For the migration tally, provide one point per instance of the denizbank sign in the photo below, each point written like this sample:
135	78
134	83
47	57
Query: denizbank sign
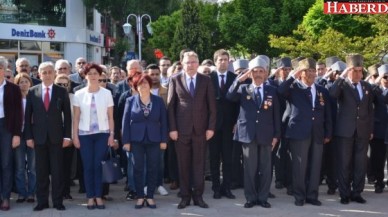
30	33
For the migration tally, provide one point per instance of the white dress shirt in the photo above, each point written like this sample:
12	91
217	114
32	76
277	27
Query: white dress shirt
44	91
2	99
188	80
220	78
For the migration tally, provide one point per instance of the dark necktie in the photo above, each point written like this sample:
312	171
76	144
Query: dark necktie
357	93
46	100
222	86
309	93
192	87
258	96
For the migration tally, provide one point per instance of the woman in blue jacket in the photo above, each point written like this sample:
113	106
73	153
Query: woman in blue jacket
145	133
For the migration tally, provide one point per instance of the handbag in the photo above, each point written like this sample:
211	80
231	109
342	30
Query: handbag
111	170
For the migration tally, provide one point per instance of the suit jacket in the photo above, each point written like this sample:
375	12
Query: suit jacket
227	110
254	123
137	127
381	112
52	125
351	116
306	121
187	113
13	108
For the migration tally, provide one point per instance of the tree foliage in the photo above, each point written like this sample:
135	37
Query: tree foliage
191	32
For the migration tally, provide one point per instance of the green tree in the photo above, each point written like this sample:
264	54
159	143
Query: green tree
164	30
190	32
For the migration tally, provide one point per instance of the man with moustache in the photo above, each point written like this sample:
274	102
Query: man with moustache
23	66
48	131
190	96
221	145
79	76
308	129
258	129
353	129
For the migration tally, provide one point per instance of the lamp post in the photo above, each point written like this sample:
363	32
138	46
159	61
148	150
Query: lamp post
139	27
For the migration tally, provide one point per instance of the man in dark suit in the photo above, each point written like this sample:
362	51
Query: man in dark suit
48	130
377	146
308	129
258	129
221	145
354	128
11	120
192	119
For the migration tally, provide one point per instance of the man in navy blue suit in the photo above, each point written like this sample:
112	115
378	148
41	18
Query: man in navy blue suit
308	129
258	129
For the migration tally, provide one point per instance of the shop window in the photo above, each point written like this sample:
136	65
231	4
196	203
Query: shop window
8	44
33	12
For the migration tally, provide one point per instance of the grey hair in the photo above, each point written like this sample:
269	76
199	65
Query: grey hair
22	59
60	61
45	65
3	62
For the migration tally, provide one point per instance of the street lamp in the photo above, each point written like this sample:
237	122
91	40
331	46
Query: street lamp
139	27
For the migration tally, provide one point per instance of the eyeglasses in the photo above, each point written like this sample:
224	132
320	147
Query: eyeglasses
385	77
103	80
63	84
81	63
64	68
8	77
24	66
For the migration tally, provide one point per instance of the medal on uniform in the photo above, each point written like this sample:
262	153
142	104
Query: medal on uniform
321	100
265	104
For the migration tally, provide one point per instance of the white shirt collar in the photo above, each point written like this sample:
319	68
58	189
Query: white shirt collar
44	86
188	77
3	84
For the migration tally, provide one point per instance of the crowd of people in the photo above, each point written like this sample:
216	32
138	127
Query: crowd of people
239	124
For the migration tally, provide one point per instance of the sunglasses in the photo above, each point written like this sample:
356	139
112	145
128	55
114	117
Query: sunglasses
103	80
62	68
8	77
79	63
385	77
63	84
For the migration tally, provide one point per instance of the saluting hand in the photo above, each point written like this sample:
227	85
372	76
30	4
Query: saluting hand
296	73
345	73
244	75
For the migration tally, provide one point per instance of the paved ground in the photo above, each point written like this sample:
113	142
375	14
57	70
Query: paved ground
282	205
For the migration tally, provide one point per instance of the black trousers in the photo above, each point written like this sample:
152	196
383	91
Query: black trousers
220	151
306	167
68	154
352	165
172	161
377	160
283	163
237	164
49	160
329	164
257	171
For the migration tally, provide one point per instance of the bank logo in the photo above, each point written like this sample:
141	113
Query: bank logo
33	34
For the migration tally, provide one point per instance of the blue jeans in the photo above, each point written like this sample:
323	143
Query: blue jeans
149	154
23	153
131	181
94	149
6	164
